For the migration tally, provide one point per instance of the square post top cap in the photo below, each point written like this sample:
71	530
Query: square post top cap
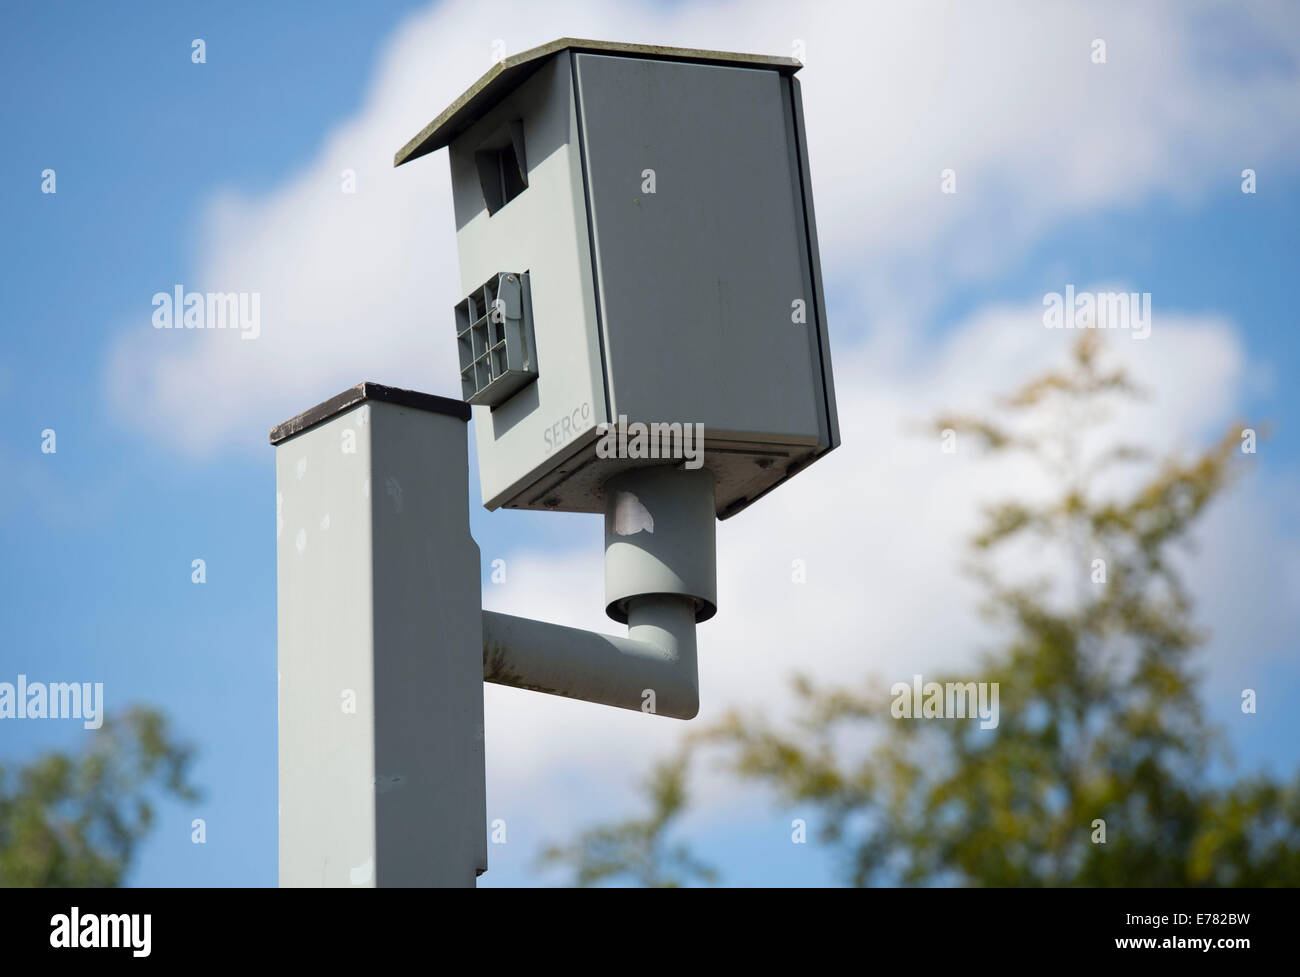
506	75
361	393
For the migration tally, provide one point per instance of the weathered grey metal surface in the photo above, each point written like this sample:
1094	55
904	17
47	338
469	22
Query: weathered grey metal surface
371	391
506	74
674	307
381	770
542	231
820	337
654	669
661	538
660	579
697	281
743	471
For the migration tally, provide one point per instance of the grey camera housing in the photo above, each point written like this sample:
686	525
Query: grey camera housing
659	202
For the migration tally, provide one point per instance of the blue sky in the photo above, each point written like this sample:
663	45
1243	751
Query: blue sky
226	172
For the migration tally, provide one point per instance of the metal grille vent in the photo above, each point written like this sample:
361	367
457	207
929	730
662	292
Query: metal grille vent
494	336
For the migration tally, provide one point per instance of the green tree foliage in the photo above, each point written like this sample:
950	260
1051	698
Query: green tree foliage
75	819
1100	719
638	849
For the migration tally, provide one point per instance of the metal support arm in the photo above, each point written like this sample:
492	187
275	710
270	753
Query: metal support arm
653	669
659	578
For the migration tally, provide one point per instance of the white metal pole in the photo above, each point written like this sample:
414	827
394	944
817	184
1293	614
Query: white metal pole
380	645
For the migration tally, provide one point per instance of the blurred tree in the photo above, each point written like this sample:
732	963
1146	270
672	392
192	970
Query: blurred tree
75	820
1099	719
638	848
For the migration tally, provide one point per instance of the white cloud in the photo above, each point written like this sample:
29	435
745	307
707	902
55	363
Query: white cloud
360	286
